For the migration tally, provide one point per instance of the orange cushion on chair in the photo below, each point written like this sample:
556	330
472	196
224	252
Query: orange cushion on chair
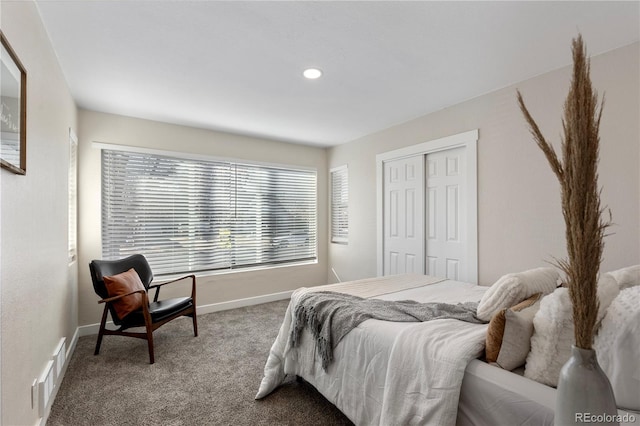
124	283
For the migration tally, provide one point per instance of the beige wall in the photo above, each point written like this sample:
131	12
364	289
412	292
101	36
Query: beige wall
520	223
38	286
221	287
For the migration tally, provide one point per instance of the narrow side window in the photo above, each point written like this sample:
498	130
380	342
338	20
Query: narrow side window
73	196
340	205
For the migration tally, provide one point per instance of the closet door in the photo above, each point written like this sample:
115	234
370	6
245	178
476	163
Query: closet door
404	189
427	205
446	213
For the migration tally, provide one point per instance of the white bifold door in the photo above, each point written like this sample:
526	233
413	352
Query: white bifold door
424	203
404	216
445	214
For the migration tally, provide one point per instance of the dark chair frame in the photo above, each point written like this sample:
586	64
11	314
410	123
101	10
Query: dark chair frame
139	263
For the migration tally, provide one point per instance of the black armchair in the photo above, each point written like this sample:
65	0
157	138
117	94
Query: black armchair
150	315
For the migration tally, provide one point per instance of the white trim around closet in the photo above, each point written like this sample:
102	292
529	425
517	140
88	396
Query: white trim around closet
469	140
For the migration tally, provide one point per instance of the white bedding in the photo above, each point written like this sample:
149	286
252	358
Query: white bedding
497	397
389	373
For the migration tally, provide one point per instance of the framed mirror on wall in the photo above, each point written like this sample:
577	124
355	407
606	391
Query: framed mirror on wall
13	111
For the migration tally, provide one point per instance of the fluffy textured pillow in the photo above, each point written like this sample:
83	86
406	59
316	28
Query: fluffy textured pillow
514	288
608	290
124	283
618	347
627	277
553	331
509	334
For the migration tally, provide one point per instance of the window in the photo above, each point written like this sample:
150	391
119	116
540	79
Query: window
340	205
189	215
73	195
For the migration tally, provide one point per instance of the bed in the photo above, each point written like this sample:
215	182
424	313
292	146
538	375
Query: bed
388	373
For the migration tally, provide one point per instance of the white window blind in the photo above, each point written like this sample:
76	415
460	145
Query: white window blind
189	215
340	205
73	196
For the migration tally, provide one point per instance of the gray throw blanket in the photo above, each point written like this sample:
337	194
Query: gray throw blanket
329	316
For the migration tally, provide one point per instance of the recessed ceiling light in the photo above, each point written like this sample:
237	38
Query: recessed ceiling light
312	73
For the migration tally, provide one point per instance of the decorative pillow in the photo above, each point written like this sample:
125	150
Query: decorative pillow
608	290
509	334
514	288
553	332
124	283
627	277
617	345
552	338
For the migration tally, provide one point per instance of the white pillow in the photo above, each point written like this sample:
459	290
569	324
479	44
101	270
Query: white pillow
627	277
512	289
608	290
617	345
552	338
553	331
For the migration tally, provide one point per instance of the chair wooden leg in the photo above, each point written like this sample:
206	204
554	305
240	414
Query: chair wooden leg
101	331
195	324
149	328
150	344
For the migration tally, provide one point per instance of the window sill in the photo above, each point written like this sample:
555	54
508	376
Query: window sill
204	274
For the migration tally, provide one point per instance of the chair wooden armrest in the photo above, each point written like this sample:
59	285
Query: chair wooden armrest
193	287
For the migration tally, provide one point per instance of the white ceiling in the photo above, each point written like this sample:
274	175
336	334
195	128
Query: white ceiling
237	66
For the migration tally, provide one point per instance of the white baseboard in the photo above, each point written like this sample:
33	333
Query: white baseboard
91	329
240	303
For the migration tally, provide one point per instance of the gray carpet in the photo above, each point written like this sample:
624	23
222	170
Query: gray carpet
206	380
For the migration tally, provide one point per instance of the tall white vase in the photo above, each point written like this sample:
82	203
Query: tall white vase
584	392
